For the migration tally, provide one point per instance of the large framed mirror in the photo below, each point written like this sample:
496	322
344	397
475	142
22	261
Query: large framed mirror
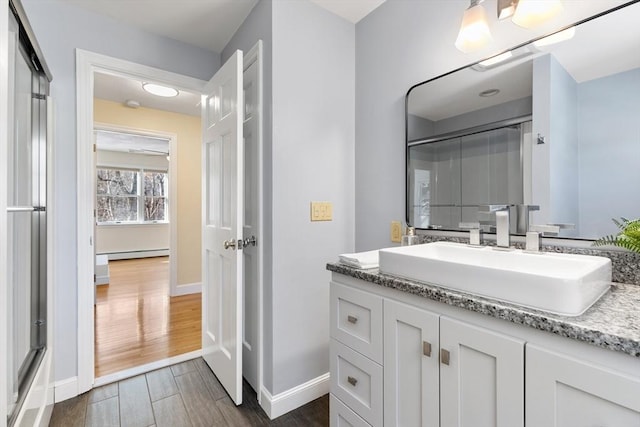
550	128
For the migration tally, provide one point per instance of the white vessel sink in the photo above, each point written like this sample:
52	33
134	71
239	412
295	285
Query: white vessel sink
564	284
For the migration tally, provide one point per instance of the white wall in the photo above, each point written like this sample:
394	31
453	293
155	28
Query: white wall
399	44
60	29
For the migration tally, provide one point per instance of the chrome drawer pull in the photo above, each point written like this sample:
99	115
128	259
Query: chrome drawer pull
444	356
352	381
352	319
426	348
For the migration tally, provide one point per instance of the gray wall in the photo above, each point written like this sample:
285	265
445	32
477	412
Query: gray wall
309	155
563	145
399	44
312	159
609	133
60	29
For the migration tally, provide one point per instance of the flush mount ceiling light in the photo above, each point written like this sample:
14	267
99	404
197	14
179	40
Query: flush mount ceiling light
530	13
474	31
159	90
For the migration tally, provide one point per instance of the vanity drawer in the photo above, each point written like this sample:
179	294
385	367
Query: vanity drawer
356	320
357	381
341	416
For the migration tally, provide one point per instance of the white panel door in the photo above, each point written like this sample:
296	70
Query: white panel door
222	221
565	392
411	379
481	377
250	227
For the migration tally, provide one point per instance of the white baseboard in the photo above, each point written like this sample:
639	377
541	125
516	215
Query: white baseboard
186	289
137	254
295	397
66	389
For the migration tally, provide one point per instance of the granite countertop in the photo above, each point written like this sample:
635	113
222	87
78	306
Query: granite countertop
613	322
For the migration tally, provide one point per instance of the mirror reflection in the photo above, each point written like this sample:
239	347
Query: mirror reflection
551	128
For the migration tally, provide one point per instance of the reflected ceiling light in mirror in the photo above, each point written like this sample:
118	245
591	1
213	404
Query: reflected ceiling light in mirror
556	38
530	13
474	31
496	59
159	90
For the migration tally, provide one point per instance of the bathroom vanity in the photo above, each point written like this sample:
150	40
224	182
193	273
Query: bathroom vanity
405	353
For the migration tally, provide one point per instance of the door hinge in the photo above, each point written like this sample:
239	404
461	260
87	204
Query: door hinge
40	96
94	148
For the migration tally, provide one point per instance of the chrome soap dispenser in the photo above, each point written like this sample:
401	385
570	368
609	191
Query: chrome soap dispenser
410	237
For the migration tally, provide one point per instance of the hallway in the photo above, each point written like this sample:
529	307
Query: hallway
136	322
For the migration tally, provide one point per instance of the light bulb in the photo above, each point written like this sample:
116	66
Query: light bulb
474	30
530	13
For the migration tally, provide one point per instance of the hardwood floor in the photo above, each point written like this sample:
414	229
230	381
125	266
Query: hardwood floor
136	322
186	394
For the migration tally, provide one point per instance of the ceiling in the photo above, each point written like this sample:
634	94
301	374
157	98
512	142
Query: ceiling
121	89
209	24
131	143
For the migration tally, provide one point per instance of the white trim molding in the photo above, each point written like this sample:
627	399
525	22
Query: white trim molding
66	389
138	370
295	397
86	64
186	289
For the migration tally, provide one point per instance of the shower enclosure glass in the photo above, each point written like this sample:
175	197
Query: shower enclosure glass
451	177
26	214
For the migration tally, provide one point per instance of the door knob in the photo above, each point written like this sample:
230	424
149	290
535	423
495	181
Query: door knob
230	244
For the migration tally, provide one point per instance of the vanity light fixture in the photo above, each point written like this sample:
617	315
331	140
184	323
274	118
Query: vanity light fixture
556	38
474	31
159	90
531	13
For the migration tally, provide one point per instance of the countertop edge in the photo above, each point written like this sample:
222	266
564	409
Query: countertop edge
558	325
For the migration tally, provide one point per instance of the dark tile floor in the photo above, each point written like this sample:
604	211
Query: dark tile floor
186	394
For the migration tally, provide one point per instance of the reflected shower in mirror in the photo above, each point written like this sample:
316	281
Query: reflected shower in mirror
552	123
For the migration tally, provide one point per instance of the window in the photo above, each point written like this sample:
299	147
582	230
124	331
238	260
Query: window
131	195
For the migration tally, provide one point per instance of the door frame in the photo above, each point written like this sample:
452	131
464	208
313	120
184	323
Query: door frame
86	64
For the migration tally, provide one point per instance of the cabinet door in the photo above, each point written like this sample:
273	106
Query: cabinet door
566	392
411	380
481	377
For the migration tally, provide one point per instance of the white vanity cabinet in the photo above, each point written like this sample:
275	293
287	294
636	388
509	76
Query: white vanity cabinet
562	391
399	359
440	371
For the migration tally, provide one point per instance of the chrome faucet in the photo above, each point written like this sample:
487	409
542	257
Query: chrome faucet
503	225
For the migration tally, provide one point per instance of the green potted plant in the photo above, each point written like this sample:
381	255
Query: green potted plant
627	238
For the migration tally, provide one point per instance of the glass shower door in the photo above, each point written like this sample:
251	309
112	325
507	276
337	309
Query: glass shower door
26	221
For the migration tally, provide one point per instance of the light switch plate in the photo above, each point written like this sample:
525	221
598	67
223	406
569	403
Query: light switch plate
321	211
396	231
